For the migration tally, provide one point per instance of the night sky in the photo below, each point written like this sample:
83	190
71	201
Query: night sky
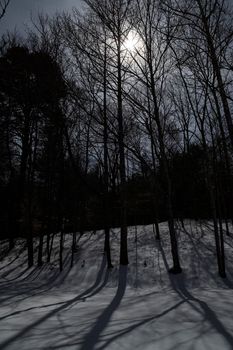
19	11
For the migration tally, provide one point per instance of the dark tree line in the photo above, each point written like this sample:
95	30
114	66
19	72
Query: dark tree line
120	115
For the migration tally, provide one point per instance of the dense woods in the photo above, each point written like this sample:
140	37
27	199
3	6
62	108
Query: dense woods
117	115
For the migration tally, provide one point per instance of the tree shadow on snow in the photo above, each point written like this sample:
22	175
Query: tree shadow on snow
206	259
95	335
91	339
178	284
93	290
24	286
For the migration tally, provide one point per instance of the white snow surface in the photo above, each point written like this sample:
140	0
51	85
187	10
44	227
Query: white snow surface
141	306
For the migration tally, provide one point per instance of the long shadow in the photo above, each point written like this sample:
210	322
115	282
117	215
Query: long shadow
33	275
226	281
7	273
51	283
29	309
90	291
200	257
9	263
139	324
27	289
49	286
7	253
210	227
179	286
121	332
91	339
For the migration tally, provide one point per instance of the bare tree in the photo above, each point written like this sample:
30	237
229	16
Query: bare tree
196	77
3	6
114	15
150	70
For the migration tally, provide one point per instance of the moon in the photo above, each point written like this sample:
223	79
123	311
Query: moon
131	42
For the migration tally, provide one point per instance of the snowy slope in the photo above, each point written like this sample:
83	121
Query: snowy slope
139	307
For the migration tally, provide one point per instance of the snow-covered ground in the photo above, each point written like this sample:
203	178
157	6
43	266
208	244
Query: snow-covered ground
138	307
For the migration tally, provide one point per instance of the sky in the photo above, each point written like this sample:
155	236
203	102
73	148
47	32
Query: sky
19	11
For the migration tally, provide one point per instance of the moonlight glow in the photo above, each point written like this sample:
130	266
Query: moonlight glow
131	41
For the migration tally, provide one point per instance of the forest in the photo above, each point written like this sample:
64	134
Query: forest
118	114
116	177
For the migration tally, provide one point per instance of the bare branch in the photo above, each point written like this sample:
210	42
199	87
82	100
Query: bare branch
3	6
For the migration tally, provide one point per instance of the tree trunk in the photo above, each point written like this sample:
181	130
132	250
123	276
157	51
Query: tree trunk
124	232
40	250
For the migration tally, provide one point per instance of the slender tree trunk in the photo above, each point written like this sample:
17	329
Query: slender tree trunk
61	249
217	70
164	162
73	249
40	250
123	246
213	202
107	247
154	189
218	243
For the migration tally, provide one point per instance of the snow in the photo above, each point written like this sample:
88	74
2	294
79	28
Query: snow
136	307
